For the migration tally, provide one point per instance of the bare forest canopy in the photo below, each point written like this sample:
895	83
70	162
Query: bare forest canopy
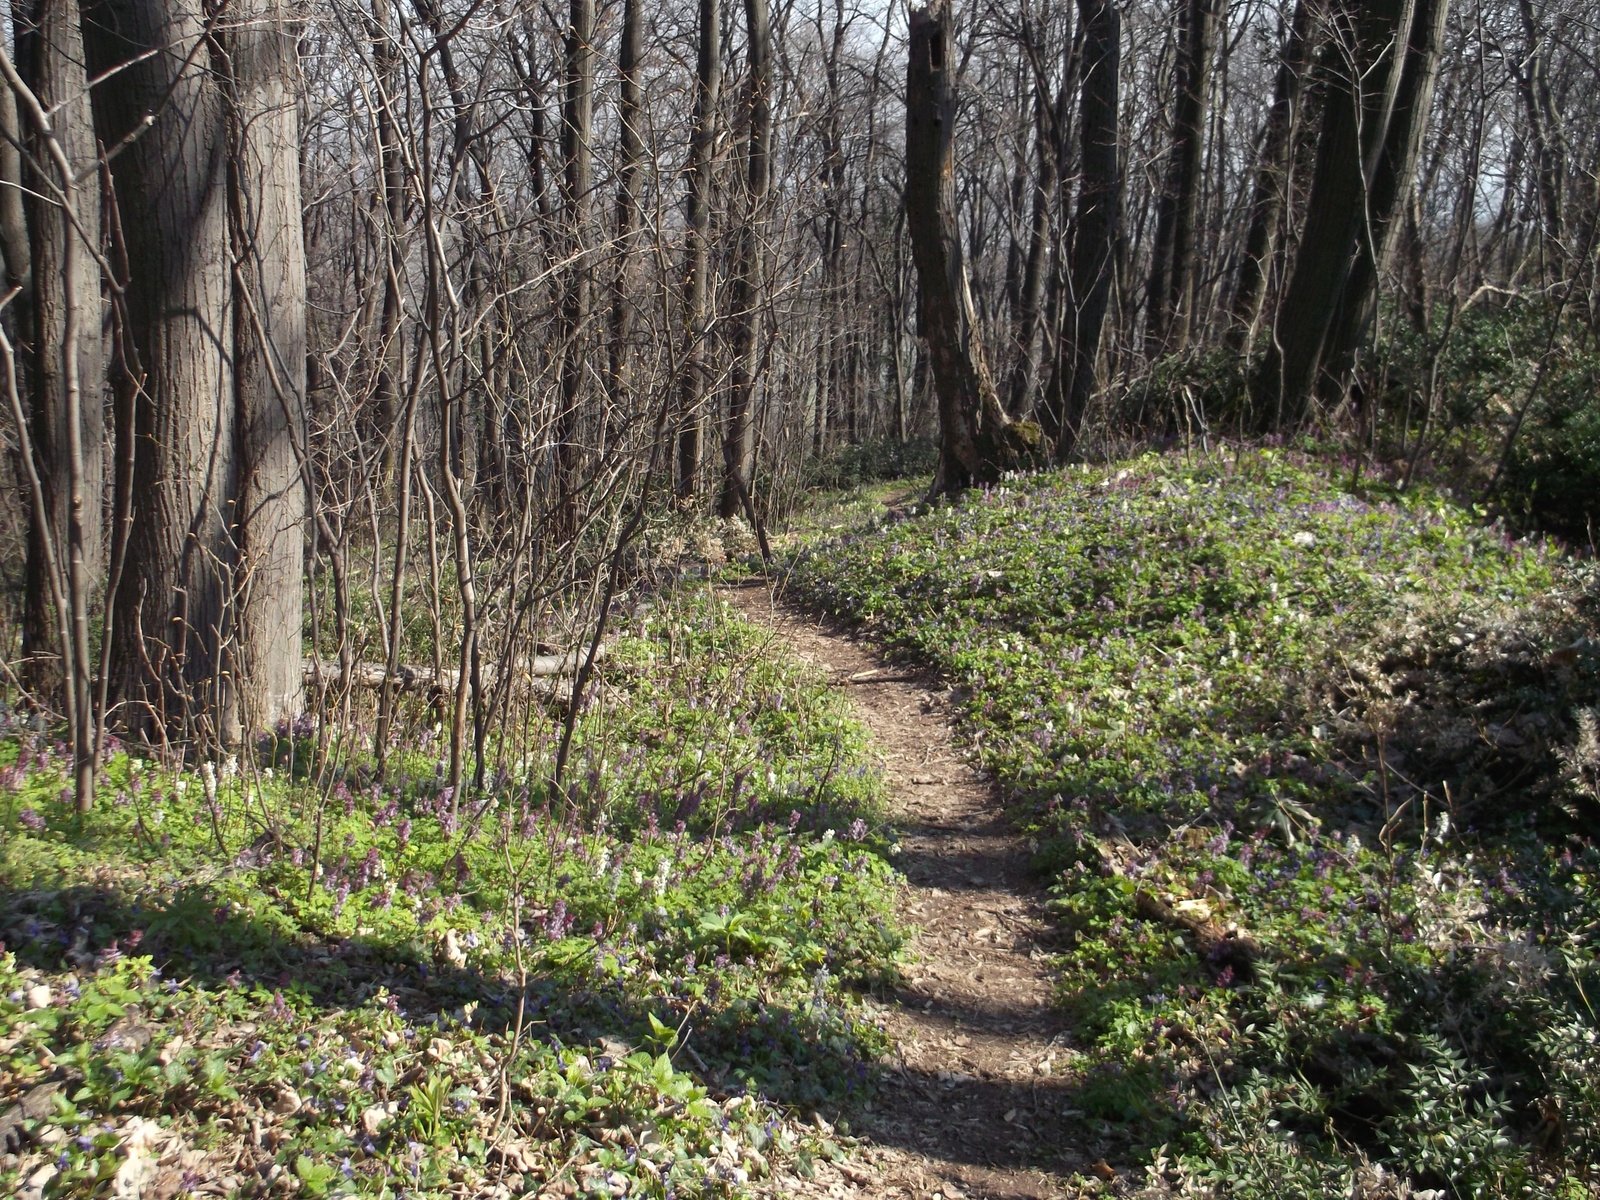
351	340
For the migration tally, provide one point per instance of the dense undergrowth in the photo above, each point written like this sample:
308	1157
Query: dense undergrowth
277	973
872	462
1311	774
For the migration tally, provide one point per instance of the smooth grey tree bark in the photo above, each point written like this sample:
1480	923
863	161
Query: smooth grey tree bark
630	153
13	219
1388	196
392	183
1048	121
577	121
1544	130
269	323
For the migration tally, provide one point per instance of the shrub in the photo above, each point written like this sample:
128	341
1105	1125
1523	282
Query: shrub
1484	376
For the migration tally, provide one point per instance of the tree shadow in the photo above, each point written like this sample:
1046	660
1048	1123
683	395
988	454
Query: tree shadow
1059	1124
800	1053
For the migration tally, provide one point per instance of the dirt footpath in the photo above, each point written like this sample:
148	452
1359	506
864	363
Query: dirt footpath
979	1104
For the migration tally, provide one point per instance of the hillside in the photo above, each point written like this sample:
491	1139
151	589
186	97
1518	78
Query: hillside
1309	774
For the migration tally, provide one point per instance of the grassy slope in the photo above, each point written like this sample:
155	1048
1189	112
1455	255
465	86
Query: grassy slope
1229	697
626	986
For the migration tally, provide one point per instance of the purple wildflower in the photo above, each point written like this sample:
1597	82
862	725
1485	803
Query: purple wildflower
555	927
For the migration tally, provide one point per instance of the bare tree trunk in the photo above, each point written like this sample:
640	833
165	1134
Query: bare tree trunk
897	307
59	313
747	284
50	62
397	583
1414	293
819	385
1391	187
977	441
17	322
1544	128
1271	180
13	218
577	122
1095	227
1047	139
1170	288
630	150
269	291
1363	64
391	357
696	305
830	377
171	186
386	383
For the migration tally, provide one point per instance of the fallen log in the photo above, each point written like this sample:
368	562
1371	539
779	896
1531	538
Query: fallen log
888	675
540	667
1220	949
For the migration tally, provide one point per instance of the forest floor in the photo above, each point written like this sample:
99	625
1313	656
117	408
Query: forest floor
973	1101
1165	827
1283	870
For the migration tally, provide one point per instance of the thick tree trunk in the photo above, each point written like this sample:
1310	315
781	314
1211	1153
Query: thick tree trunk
50	62
1363	64
697	256
977	442
1095	228
171	185
747	283
1391	188
269	316
1170	288
1271	180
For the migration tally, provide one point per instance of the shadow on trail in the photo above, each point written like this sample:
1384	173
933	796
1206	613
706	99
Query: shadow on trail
1054	1123
968	870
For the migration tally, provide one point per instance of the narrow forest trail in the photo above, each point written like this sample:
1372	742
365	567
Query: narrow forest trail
977	1104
